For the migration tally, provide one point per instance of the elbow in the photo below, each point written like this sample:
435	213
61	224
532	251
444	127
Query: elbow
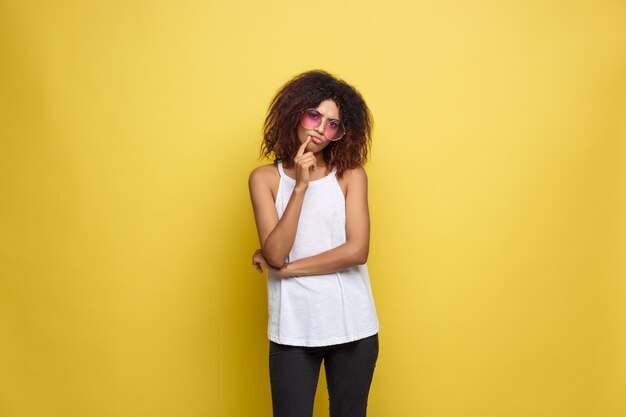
274	260
275	264
360	255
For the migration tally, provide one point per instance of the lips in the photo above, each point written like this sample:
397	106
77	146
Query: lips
316	140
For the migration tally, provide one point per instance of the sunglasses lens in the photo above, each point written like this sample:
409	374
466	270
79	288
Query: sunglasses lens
334	130
311	119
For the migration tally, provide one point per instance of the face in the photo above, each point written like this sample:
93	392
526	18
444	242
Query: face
329	110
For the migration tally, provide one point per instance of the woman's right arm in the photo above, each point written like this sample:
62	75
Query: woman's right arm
277	236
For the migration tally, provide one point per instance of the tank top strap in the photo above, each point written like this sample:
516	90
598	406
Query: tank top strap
280	169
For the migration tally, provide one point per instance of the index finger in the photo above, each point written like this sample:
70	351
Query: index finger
303	146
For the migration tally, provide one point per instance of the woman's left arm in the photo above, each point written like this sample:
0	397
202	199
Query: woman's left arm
355	250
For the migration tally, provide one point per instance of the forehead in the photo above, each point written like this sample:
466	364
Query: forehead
329	109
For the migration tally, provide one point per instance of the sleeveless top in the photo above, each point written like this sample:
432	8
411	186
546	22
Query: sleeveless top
319	310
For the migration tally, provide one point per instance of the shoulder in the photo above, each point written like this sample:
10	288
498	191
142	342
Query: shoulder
355	176
353	179
264	174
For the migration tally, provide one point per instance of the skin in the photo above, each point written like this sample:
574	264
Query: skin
278	235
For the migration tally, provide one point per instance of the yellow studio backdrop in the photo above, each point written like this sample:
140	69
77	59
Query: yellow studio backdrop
497	191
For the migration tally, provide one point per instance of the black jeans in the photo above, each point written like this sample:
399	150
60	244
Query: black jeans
349	367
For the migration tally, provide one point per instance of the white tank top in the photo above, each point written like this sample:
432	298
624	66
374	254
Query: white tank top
319	310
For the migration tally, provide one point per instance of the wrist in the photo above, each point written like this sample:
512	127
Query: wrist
287	270
300	188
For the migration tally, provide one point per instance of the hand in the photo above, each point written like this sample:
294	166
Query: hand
258	260
304	163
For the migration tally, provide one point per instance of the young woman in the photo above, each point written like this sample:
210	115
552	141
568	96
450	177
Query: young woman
312	218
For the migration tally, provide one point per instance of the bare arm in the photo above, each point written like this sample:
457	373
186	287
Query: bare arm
277	236
354	251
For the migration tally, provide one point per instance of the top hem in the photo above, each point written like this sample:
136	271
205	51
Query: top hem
323	342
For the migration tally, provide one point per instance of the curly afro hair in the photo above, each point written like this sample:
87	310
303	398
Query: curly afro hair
309	89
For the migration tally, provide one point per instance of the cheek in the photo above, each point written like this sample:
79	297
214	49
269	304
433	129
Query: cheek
302	134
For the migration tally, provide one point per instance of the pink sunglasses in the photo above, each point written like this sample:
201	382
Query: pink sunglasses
333	128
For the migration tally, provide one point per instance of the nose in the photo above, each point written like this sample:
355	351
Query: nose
321	127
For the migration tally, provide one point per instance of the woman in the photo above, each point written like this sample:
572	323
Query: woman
312	218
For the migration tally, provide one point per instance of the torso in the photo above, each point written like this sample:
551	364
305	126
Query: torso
319	309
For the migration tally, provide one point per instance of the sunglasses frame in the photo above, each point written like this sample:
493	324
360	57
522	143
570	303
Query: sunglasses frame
325	125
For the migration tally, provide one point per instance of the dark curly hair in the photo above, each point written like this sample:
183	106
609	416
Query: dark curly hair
309	89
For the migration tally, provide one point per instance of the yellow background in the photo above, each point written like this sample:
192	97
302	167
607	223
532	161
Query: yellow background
497	191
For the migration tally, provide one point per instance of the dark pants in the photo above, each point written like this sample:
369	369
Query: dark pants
349	367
